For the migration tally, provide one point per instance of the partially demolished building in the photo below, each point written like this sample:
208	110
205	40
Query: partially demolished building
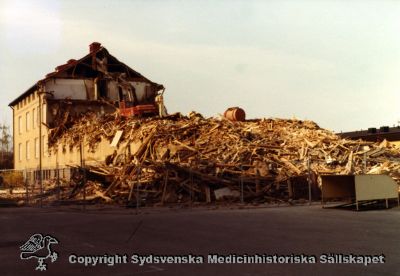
97	83
82	114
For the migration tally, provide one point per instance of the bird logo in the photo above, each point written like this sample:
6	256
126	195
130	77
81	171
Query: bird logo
39	247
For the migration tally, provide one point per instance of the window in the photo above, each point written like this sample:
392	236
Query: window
28	120
37	121
19	152
19	124
34	114
37	150
28	156
44	113
37	116
45	146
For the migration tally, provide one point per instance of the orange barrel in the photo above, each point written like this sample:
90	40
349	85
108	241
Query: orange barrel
235	114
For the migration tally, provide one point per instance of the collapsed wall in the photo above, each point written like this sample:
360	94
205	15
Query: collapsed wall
178	158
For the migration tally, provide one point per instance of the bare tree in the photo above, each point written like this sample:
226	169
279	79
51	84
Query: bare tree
6	153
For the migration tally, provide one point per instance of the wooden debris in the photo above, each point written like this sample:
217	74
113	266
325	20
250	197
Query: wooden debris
181	158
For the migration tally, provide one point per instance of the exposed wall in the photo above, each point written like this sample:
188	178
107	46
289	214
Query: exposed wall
142	91
74	108
85	89
68	88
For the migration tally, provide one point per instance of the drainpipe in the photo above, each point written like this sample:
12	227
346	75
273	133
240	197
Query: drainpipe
14	151
41	148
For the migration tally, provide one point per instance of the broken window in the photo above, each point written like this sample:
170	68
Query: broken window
120	94
102	88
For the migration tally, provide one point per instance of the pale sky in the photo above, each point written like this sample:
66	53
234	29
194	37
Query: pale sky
334	62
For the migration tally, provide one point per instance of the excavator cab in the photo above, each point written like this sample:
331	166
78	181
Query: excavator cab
141	110
139	103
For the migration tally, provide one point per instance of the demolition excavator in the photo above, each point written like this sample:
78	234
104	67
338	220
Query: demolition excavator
148	105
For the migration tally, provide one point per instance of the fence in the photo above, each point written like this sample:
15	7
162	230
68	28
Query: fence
52	185
35	187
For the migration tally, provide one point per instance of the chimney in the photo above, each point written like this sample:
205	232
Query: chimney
94	47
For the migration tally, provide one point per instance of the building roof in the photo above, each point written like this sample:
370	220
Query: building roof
23	95
74	67
374	134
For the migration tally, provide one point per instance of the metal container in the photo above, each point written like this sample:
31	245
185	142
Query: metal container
235	114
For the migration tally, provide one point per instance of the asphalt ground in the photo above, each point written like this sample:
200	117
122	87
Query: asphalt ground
281	231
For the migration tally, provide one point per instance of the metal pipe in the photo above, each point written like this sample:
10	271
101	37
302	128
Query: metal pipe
41	148
14	150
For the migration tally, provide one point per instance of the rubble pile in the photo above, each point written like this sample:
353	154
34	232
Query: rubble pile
190	158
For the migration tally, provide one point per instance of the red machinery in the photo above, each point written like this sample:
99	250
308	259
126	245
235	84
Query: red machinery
138	110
